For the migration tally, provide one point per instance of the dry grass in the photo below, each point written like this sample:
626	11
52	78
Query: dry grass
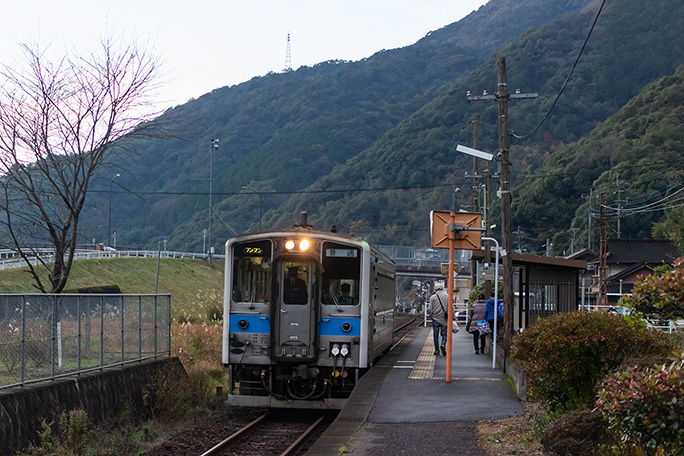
512	436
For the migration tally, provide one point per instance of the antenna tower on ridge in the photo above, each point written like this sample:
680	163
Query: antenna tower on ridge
288	56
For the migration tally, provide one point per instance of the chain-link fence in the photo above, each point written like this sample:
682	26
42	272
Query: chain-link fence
44	336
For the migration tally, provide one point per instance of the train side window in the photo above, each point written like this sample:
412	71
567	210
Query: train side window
251	279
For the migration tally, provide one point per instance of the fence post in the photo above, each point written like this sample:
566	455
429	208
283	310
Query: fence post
23	339
80	336
53	329
139	327
101	332
123	329
168	307
156	327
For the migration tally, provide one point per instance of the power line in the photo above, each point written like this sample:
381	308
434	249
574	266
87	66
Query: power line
295	192
565	83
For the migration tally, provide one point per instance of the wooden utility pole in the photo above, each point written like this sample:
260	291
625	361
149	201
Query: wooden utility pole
603	256
506	231
502	97
475	206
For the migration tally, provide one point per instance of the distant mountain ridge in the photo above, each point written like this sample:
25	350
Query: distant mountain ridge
386	125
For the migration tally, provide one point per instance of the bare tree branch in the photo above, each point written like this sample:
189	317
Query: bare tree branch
58	121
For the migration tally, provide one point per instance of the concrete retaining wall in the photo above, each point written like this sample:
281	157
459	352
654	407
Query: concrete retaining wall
100	393
514	372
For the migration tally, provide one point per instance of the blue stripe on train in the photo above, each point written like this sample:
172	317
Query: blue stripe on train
333	326
256	324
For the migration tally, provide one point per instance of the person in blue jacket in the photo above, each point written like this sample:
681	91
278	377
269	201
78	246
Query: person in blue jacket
489	312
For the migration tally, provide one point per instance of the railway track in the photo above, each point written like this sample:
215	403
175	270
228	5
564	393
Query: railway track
277	432
404	324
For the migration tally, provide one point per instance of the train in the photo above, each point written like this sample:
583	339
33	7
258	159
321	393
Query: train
306	314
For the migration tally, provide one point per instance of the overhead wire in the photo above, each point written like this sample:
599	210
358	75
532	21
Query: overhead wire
565	83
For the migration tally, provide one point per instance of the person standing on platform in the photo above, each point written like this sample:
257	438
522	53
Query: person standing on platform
437	309
489	312
477	313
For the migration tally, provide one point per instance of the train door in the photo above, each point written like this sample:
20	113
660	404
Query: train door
294	326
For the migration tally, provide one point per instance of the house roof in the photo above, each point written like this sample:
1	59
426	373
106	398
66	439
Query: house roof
636	269
650	251
584	254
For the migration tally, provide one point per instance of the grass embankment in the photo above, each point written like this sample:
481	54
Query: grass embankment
184	280
196	291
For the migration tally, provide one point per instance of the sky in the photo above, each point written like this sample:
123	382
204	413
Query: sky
205	45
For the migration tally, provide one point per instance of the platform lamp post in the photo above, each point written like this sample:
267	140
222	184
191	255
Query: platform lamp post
258	194
214	145
109	217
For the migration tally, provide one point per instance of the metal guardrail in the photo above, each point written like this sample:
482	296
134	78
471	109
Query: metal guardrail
45	336
9	261
410	256
669	326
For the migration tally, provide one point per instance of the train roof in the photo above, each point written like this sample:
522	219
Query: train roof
295	232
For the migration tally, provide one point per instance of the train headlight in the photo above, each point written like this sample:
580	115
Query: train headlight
303	245
346	326
335	350
243	324
345	350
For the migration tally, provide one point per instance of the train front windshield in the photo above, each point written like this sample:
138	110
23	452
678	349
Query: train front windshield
252	269
342	267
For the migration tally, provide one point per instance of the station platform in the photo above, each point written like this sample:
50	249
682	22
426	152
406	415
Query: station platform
404	405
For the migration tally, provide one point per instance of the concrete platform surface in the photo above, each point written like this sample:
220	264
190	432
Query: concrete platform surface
405	406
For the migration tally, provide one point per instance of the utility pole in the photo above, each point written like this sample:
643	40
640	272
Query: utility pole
572	243
603	267
591	199
502	97
214	143
475	205
620	185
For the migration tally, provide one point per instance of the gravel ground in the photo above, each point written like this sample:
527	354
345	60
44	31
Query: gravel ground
206	433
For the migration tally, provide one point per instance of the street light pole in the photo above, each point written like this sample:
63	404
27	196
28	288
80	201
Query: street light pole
259	195
109	217
214	145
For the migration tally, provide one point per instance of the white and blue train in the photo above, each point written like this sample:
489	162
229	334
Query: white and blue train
306	313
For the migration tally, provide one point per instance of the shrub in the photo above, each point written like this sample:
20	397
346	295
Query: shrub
566	355
72	438
74	430
645	406
480	288
660	295
171	397
575	433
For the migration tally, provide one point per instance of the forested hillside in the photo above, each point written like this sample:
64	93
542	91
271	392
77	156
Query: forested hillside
369	145
635	158
282	132
415	165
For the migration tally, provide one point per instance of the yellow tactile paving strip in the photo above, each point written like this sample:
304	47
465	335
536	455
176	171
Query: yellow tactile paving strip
425	364
424	368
